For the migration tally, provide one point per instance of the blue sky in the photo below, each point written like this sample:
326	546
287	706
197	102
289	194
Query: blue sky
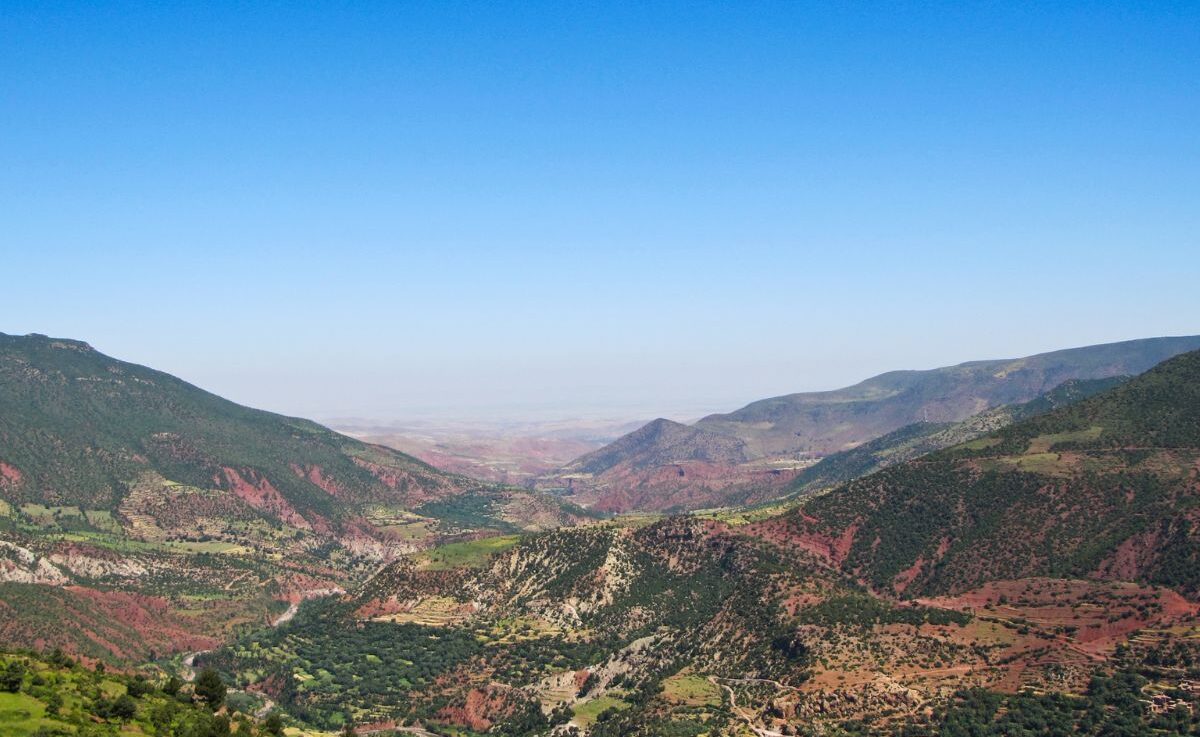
397	209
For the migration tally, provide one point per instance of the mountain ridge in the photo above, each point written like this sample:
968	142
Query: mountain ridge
783	434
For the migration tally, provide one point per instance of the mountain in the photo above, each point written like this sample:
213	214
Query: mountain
659	443
116	479
77	428
661	466
1105	488
920	438
1038	578
778	437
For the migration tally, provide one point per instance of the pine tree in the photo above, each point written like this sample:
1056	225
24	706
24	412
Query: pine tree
210	688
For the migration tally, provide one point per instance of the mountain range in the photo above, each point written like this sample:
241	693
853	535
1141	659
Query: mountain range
1029	569
749	454
920	438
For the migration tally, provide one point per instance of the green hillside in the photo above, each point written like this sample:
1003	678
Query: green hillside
632	605
77	427
1104	487
53	696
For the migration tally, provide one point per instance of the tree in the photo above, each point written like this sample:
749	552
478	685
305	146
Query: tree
123	708
12	676
172	686
138	687
60	659
273	725
210	688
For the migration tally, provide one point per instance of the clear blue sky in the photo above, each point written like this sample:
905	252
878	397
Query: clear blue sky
398	208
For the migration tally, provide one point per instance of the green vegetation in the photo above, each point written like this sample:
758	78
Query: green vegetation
1054	496
472	553
589	712
51	696
1113	706
326	665
692	689
696	596
210	689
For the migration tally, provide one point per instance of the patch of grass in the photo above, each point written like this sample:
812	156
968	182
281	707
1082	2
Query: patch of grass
470	554
22	715
981	443
102	520
1043	443
692	690
587	712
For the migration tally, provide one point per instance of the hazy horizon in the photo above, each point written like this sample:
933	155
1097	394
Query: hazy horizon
535	211
496	415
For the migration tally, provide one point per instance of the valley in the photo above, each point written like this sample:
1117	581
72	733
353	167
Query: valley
513	453
634	369
1033	561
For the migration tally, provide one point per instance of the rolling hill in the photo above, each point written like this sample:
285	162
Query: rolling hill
778	437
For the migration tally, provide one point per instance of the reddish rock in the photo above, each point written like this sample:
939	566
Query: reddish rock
482	707
9	475
258	492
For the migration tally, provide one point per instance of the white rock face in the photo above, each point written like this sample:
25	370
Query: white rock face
88	566
22	565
